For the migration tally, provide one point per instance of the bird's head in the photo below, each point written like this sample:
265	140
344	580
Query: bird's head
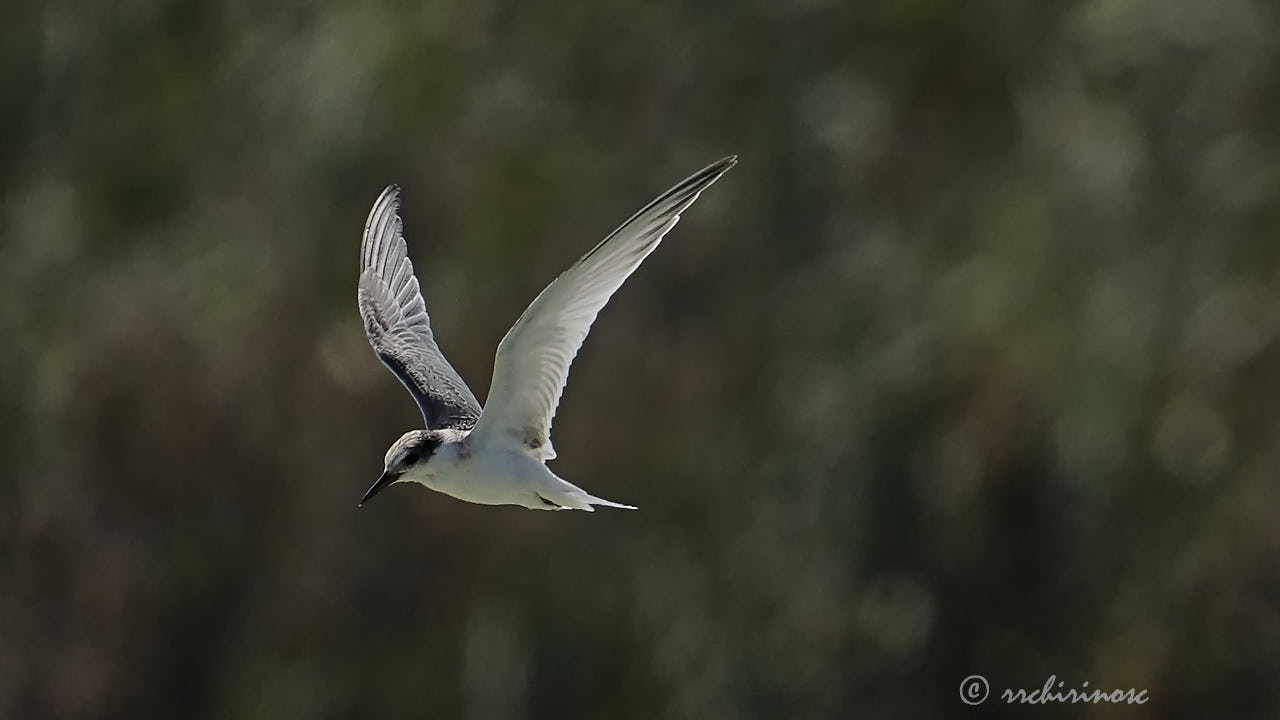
408	459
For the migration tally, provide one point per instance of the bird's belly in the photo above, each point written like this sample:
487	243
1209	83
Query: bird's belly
503	479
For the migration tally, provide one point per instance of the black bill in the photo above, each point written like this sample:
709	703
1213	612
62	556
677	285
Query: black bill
378	486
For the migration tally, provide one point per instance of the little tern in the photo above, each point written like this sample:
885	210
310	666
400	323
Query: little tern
498	455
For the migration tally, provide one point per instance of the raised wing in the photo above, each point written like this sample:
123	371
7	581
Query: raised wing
532	363
395	319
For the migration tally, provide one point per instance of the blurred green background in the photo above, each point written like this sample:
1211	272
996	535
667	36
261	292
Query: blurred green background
970	366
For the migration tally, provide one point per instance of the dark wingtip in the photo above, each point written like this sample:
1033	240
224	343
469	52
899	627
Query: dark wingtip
390	193
716	169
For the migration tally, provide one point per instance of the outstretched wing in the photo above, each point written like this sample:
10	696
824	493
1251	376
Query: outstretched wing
532	363
396	321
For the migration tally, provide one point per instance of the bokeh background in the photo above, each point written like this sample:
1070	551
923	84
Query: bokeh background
970	366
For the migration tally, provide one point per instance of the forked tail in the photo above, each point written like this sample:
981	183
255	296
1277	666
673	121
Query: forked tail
606	503
563	495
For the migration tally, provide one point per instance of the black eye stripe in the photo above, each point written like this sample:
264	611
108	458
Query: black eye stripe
411	458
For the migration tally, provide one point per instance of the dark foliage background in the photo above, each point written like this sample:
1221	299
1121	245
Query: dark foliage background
970	366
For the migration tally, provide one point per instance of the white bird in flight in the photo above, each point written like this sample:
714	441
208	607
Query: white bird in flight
498	456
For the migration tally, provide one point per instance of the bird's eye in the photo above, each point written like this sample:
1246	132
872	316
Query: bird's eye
411	458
